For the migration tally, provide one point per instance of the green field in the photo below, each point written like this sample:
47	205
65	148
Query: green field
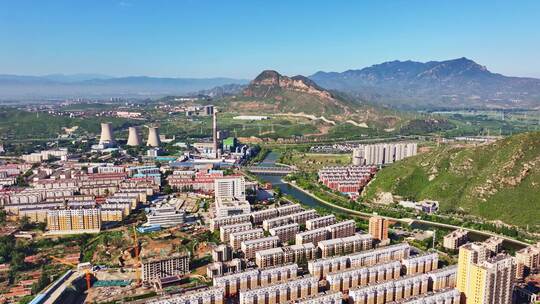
500	181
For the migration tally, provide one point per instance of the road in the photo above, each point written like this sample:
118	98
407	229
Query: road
409	221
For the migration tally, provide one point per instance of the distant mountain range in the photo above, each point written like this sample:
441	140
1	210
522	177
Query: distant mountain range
94	85
440	84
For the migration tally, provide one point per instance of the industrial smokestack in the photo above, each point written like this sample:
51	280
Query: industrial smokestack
153	137
106	134
214	133
134	138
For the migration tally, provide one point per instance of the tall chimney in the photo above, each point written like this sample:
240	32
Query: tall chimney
214	133
134	137
106	133
153	137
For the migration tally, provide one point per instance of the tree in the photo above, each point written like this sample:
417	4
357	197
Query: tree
24	223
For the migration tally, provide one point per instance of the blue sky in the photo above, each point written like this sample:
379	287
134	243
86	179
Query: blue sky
198	38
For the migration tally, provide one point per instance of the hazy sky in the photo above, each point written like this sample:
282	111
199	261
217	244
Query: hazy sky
230	38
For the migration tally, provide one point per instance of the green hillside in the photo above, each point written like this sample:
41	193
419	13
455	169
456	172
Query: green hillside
500	181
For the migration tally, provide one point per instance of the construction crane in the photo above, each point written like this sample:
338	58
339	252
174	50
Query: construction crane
137	256
87	272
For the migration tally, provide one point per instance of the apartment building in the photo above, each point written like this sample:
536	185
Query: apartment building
257	217
299	218
320	222
230	186
346	179
420	263
381	154
321	267
455	239
283	255
378	228
153	268
312	236
527	260
76	220
250	279
217	222
225	231
222	253
216	269
341	229
347	245
270	276
494	245
396	290
212	295
484	280
443	278
338	230
236	238
448	296
285	233
281	293
250	247
289	209
329	297
352	278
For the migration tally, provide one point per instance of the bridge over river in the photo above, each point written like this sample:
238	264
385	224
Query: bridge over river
270	170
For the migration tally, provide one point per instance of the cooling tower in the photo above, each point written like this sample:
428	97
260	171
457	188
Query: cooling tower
106	134
134	138
153	137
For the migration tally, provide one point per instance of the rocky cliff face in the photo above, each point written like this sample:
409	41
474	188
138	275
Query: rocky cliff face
264	85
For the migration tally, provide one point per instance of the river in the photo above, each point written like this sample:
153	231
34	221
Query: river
307	200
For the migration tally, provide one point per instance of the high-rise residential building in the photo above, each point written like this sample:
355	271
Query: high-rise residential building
378	228
455	239
380	154
484	280
76	220
162	267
